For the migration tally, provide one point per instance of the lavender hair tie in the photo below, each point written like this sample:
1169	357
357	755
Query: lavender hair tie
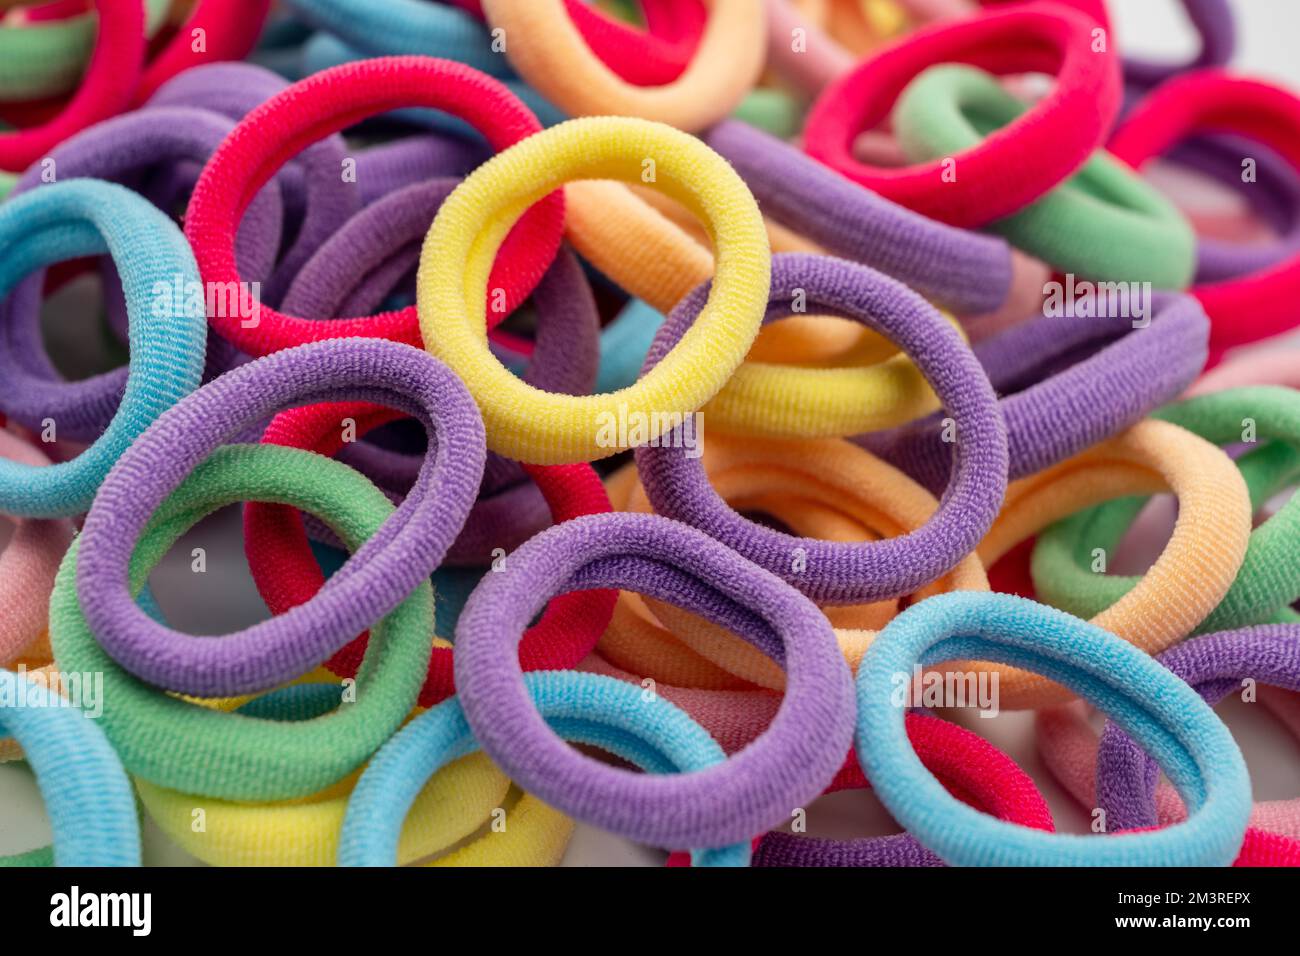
1213	21
1214	665
387	167
787	766
361	263
965	271
1068	382
120	150
832	572
1274	196
378	576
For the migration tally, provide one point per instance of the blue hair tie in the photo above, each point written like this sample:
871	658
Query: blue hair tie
87	795
167	332
613	715
1168	719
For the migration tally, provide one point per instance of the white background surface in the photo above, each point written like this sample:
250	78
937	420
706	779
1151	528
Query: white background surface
224	599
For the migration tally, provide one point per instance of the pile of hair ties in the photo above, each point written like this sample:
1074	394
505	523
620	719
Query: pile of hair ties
885	322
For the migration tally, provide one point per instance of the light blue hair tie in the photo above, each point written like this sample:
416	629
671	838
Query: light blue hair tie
167	325
87	795
624	343
615	716
1167	718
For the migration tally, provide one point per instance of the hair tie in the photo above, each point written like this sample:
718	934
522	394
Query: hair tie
1067	383
105	89
380	574
1214	24
287	574
410	27
788	764
967	765
66	220
1021	161
961	270
585	708
305	831
1268	581
829	490
836	573
1166	716
87	796
539	427
325	103
182	745
28	564
1103	222
42	58
1214	665
1253	306
1278	367
560	65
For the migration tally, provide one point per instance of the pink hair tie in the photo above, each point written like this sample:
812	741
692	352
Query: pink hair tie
1275	367
106	89
28	565
1261	304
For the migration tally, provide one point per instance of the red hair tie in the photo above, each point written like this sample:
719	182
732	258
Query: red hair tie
1015	165
286	572
325	103
1263	303
230	31
105	90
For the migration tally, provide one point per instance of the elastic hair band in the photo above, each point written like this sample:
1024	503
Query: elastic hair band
87	796
1279	366
538	427
1215	666
790	763
555	59
1268	581
1016	165
837	573
585	708
966	764
961	270
28	564
105	89
67	220
1068	382
380	574
410	27
325	103
305	832
43	58
1167	717
1103	222
229	28
1248	307
183	745
287	573
1196	568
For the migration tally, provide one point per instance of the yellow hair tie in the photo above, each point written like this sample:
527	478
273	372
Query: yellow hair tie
539	427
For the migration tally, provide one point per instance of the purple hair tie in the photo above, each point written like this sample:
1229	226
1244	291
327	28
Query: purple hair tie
1213	21
1214	665
832	572
966	271
784	768
1068	383
378	576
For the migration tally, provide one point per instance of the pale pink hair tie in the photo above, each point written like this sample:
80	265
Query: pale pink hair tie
28	564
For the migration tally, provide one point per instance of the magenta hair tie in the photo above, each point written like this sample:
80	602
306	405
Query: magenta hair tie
839	572
785	767
962	270
1068	383
402	554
